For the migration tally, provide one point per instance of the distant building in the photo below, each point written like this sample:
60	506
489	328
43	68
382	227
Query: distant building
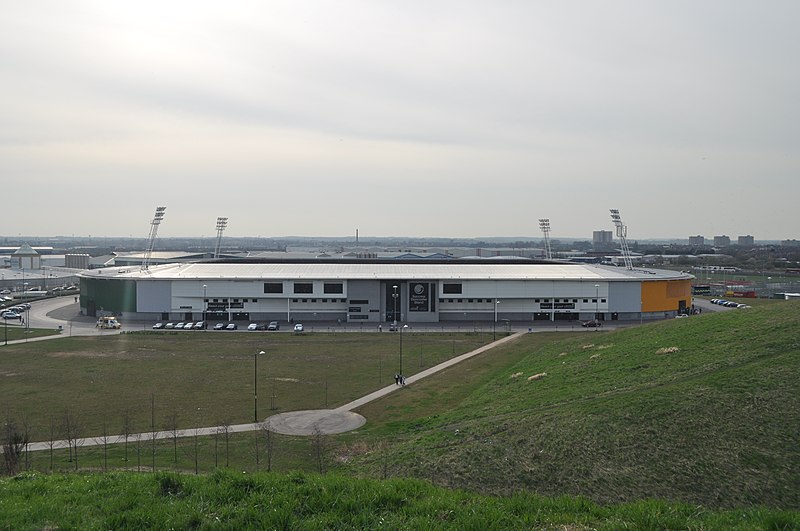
790	243
722	241
77	261
697	240
747	241
26	258
602	239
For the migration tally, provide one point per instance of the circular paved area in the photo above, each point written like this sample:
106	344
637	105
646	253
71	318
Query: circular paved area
327	421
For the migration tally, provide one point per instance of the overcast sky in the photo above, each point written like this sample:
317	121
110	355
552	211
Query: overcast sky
412	118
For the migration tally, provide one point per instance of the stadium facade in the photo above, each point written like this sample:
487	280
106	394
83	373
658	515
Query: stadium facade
385	291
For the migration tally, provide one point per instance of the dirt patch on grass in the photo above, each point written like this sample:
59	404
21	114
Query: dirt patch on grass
94	354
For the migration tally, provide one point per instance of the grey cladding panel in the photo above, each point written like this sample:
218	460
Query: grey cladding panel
625	296
154	296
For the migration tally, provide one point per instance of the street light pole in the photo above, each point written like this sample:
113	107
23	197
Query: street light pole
494	327
205	307
401	348
255	384
394	311
596	305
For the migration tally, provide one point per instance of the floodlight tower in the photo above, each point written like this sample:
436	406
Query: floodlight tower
221	224
622	233
544	224
151	238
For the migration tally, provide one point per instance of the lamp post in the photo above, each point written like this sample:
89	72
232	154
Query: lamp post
205	307
494	327
401	348
394	311
27	312
596	305
255	384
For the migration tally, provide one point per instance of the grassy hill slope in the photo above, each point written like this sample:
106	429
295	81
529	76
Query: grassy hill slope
701	410
231	500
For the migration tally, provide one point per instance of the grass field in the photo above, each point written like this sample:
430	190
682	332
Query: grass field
702	410
305	501
204	379
14	332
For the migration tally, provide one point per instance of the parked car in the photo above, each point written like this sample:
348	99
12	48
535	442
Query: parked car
298	327
219	326
594	323
199	325
169	325
158	326
5	292
393	327
255	326
274	325
189	325
12	315
180	325
232	326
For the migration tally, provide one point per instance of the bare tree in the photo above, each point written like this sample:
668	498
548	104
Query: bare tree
14	443
216	448
51	443
153	428
269	442
193	451
318	442
137	437
127	429
26	430
171	427
104	437
69	429
225	429
196	441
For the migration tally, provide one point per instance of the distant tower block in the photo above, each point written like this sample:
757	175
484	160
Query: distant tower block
222	223
544	225
622	234
151	238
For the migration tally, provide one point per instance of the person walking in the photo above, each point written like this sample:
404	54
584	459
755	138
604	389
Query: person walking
396	379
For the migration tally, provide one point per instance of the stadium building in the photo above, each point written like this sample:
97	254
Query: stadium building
373	291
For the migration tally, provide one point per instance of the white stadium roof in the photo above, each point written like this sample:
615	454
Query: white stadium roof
386	271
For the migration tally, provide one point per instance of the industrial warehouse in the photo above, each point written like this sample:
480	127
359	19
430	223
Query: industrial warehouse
375	291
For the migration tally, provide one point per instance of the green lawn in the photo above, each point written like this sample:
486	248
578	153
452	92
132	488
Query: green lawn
230	500
204	378
703	410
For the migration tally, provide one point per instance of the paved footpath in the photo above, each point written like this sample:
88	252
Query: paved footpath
324	421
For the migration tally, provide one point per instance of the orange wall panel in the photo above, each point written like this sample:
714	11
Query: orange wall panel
664	295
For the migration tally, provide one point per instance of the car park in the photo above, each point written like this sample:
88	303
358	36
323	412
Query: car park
232	326
274	325
298	327
158	326
169	325
200	325
219	326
